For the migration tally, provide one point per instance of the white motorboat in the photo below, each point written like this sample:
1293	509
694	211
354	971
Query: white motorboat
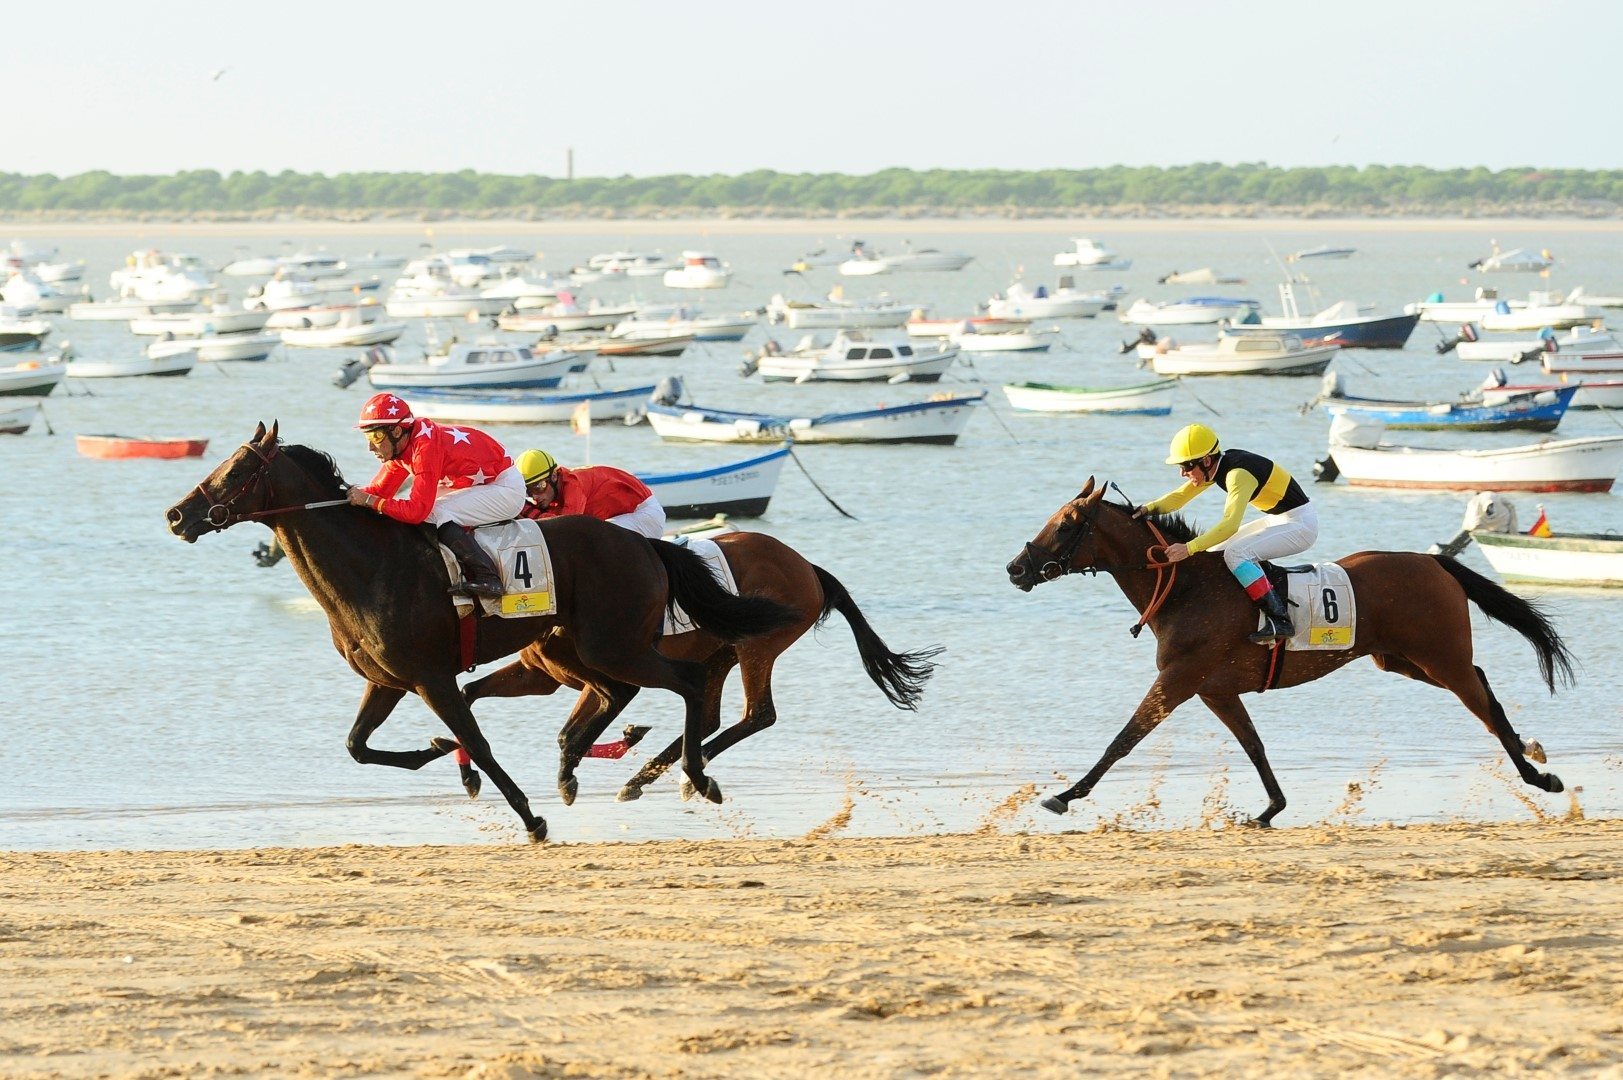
1193	311
375	260
528	407
737	489
251	266
1065	302
632	264
938	420
1344	322
213	347
496	253
125	310
1516	260
1323	251
16	419
463	269
1590	464
1539	555
445	303
1579	296
699	270
863	263
852	357
1579	341
59	273
32	378
1029	339
308	318
838	313
312	265
1088	254
1543	309
684	321
20	332
217	320
927	260
479	366
1435	308
1139	399
817	259
1249	354
919	326
284	292
1204	276
523	291
566	316
25	290
159	275
354	326
179	362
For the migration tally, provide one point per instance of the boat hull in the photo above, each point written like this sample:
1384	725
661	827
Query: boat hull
37	381
1145	399
800	370
1540	411
527	409
16	419
1593	561
1386	332
129	446
175	364
1579	465
742	489
544	372
937	422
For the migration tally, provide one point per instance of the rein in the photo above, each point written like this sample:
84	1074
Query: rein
221	514
1050	565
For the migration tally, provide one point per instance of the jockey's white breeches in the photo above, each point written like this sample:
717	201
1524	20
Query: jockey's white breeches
648	519
482	504
1272	536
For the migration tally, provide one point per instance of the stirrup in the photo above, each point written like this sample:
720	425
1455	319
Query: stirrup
1277	630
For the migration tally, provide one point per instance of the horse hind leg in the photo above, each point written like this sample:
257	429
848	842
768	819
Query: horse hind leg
1476	695
716	671
377	702
446	701
595	710
1232	712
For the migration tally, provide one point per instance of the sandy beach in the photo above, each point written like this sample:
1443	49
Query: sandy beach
1417	951
809	227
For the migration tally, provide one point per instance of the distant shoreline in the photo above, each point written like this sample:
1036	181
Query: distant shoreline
790	226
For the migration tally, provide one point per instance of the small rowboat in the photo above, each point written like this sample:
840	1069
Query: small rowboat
741	489
1141	399
175	363
1594	559
134	446
16	419
1590	464
1540	410
937	420
525	408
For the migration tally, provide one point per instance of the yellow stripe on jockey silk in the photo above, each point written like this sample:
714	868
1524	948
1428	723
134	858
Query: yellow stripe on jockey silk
1269	494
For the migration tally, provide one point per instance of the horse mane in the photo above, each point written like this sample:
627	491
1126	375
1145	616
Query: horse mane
1172	524
319	466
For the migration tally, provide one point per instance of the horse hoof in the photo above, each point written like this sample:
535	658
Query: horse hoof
538	832
629	794
712	790
471	783
1258	823
688	790
633	734
1552	783
1055	805
1532	751
568	789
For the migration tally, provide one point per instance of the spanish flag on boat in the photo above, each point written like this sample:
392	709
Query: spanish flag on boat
1541	527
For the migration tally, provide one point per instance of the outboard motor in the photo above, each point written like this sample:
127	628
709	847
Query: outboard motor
350	370
1486	511
750	364
1146	336
1467	333
668	391
1545	345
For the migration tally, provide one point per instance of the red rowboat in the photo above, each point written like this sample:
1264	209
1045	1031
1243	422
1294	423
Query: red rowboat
133	446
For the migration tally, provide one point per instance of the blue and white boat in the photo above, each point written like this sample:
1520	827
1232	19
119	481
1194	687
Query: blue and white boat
481	366
525	408
1342	323
936	420
741	489
1540	410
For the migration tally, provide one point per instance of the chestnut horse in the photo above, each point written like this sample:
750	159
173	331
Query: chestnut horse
762	566
1413	619
384	588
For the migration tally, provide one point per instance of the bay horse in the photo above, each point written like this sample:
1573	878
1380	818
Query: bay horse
1413	620
763	566
384	588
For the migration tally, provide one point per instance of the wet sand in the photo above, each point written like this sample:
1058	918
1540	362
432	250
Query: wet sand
1415	951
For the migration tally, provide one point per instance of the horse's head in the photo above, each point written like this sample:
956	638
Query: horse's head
240	486
1057	549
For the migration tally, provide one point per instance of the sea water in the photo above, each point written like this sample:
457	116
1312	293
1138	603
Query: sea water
166	695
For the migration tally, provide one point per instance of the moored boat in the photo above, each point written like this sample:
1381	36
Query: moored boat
1540	410
738	489
139	446
1248	354
479	365
937	420
851	357
527	408
32	378
1588	465
1140	399
1193	311
1540	555
16	419
169	363
1029	339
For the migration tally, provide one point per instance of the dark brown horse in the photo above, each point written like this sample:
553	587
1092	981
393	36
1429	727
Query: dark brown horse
384	588
762	566
1413	619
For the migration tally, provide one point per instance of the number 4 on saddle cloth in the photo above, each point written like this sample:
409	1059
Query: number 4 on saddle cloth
1321	605
519	550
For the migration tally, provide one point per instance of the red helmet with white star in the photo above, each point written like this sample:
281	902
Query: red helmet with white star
384	410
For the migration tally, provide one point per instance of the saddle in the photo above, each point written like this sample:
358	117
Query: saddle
1324	609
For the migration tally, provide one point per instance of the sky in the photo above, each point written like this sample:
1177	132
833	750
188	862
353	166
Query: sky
719	86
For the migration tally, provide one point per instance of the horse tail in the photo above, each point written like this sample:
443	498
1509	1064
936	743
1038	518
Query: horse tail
901	676
1523	616
708	604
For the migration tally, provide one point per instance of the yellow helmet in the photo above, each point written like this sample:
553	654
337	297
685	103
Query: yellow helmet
1192	443
535	465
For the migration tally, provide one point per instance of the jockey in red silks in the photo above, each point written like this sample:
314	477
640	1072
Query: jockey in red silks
599	491
459	476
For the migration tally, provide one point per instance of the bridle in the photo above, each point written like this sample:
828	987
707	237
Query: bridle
1049	565
222	513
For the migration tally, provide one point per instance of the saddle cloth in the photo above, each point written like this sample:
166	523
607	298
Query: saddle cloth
521	556
1321	605
520	553
676	620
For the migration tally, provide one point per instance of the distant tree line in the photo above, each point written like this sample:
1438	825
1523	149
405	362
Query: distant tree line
1376	189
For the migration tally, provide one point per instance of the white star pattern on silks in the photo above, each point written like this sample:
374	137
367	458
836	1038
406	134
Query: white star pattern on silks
394	408
427	428
479	476
457	435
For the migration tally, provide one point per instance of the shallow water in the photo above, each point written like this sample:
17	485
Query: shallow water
171	696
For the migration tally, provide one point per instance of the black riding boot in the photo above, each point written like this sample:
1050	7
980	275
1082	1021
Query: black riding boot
480	577
1273	609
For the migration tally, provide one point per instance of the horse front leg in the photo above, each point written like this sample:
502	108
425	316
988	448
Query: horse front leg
595	710
1156	707
1232	712
445	698
377	702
